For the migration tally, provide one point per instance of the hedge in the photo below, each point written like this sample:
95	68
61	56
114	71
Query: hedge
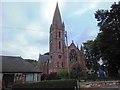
49	84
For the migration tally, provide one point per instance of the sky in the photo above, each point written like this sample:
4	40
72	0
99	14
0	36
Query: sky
24	24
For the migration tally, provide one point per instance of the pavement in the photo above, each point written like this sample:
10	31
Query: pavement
101	85
100	89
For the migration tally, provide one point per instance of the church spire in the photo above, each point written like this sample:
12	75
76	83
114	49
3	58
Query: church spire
57	17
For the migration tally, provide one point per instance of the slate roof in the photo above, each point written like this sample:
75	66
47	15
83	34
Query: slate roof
16	64
43	58
72	44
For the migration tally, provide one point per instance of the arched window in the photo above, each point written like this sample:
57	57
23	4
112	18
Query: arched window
59	34
73	55
59	45
62	64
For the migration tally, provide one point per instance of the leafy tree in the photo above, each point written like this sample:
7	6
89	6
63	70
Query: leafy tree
91	54
33	62
62	73
109	37
76	72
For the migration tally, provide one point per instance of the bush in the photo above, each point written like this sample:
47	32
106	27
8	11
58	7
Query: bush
51	76
76	72
49	84
62	74
92	77
44	76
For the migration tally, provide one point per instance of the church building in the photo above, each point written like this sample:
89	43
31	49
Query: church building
61	56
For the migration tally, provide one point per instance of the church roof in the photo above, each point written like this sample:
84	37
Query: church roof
11	64
72	44
43	58
57	17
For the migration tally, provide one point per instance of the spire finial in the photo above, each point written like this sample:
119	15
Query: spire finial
57	17
77	45
72	41
81	48
57	4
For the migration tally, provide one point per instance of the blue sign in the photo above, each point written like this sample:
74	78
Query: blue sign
101	73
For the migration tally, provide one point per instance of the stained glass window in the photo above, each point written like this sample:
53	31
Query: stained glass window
73	55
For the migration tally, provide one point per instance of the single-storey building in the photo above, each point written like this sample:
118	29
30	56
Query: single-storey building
16	70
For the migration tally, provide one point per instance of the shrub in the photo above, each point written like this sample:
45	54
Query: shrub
49	84
62	74
76	72
52	76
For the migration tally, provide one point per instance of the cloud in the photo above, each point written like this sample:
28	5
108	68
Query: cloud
13	14
38	33
21	46
88	34
80	12
79	37
93	5
55	0
26	43
23	36
48	9
86	7
26	51
29	52
37	30
28	24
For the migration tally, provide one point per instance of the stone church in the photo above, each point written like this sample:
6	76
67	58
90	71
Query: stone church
60	56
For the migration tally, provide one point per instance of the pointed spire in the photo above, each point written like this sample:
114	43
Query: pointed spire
77	46
72	41
57	17
81	48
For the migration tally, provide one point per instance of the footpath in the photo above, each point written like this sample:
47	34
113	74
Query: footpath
100	84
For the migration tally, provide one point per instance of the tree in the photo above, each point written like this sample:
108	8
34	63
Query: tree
33	62
76	72
91	54
62	73
109	37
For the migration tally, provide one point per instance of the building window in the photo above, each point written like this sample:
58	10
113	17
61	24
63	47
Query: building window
59	34
62	64
59	56
59	45
73	55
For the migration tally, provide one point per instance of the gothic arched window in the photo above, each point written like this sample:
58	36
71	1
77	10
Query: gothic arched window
59	34
73	55
62	64
59	45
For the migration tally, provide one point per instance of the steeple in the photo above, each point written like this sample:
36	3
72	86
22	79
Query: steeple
57	42
81	48
57	17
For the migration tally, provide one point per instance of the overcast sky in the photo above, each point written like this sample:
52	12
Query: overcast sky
25	24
